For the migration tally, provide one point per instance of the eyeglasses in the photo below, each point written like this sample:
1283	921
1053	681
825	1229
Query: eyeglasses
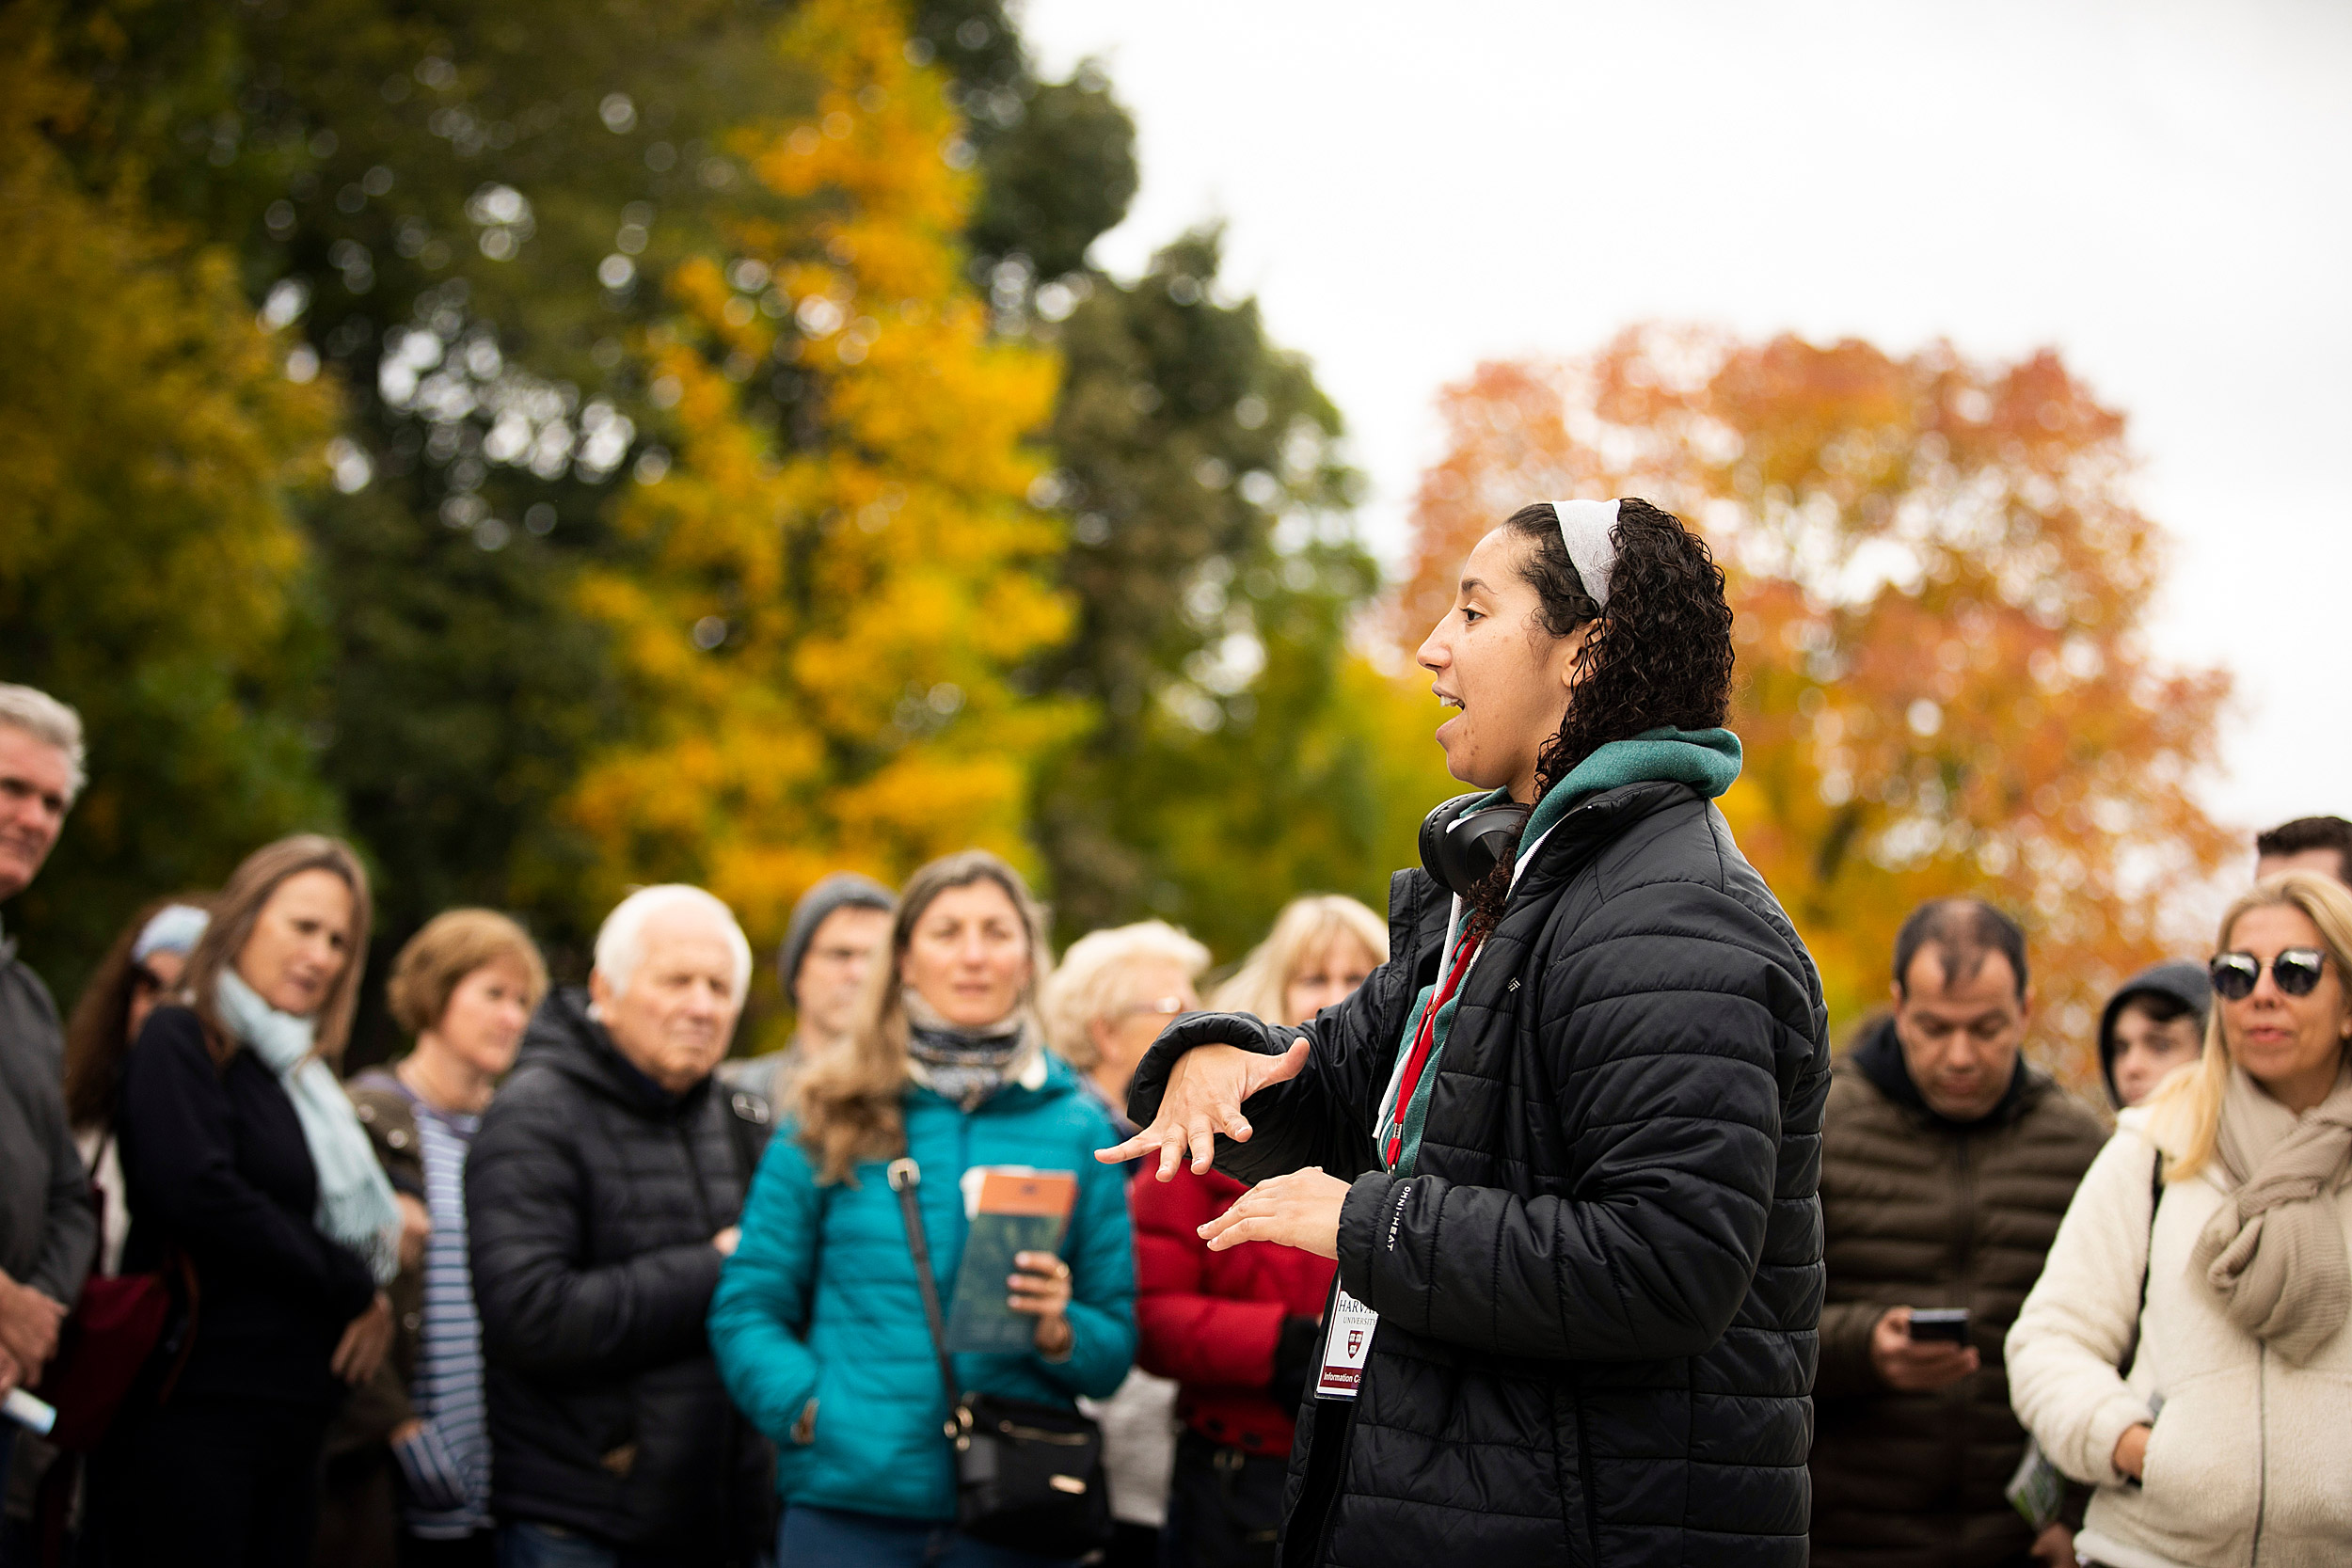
2296	969
1163	1006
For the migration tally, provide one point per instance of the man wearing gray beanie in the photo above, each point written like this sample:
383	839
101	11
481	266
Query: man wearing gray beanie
839	930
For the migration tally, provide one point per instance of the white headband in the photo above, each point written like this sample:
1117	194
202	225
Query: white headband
1585	528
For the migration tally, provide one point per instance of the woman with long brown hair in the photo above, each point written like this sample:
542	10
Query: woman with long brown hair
819	1322
2184	1350
244	1158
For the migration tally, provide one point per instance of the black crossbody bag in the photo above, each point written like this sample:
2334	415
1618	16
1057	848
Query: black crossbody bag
1029	1476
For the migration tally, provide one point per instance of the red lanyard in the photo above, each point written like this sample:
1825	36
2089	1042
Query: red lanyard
1424	1042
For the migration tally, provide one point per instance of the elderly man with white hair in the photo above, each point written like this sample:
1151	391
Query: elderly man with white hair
601	1194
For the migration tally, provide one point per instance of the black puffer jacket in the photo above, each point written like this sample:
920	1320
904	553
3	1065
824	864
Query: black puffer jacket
591	1199
1598	1291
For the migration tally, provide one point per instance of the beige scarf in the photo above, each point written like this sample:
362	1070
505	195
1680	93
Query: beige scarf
2275	1255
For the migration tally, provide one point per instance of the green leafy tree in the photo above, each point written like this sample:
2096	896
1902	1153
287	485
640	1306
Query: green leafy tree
462	213
151	568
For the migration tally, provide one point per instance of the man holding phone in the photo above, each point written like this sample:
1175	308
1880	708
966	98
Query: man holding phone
1947	1163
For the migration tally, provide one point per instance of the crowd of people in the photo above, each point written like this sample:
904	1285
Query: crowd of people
1536	1220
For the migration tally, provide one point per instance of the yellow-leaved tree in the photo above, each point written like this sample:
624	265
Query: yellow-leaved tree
1942	581
154	454
831	576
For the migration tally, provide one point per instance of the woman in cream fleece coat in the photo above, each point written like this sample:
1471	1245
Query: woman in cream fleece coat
2226	1439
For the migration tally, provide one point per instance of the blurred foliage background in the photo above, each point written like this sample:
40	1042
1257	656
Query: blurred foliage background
569	447
1942	588
566	447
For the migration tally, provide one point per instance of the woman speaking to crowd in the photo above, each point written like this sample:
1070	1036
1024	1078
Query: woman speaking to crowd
1564	1144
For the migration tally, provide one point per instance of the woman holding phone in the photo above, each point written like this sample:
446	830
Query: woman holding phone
1564	1144
820	1324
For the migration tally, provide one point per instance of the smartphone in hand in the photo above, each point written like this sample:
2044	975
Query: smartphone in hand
1947	1324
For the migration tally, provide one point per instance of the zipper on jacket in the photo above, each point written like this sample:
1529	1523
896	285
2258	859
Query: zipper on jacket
1584	1470
1962	1392
695	1168
2262	1448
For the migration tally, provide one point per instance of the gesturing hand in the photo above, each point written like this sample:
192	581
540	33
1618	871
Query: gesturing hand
1205	1091
1300	1209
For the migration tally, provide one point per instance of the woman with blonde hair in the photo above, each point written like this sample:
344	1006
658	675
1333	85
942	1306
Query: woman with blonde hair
1238	1328
1111	996
822	1324
2183	1352
244	1158
1323	946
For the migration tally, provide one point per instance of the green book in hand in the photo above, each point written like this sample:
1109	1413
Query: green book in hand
1012	1209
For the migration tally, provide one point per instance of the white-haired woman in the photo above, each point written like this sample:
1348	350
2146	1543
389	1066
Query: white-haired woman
2184	1350
820	1322
1106	1002
1237	1328
1110	997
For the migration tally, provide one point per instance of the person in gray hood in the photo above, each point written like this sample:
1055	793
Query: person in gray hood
837	928
2154	1023
48	1225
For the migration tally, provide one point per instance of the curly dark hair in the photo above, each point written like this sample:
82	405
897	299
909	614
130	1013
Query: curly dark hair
1660	658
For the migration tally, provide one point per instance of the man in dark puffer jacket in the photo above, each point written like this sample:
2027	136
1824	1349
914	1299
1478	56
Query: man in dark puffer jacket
1599	1279
601	1194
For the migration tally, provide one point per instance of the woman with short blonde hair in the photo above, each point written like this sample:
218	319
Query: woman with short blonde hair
464	987
1129	980
1114	992
2184	1350
1322	947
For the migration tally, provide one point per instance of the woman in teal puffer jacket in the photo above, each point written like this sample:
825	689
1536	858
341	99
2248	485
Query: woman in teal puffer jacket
819	1323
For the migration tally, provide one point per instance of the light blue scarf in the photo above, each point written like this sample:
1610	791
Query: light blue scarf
356	1203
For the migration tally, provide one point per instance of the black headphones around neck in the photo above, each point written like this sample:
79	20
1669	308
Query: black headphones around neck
1460	850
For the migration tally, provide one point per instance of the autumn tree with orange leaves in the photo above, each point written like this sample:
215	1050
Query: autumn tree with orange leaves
1942	586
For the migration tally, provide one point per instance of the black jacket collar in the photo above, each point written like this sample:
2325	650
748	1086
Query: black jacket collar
566	1039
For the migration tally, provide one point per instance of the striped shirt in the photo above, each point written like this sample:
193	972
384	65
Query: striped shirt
447	1465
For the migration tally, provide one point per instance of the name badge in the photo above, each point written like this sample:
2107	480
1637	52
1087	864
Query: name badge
1346	1346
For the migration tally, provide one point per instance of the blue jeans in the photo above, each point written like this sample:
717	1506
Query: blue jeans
827	1538
524	1544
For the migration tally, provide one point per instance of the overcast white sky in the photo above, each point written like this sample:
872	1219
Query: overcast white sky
2163	191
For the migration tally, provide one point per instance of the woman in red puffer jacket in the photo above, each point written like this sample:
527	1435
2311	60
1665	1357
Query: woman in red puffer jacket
1242	1330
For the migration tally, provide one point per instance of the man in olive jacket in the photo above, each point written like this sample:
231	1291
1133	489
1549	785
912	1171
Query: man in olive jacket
1947	1163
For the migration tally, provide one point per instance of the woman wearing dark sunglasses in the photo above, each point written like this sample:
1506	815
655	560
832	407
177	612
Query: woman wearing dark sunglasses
2218	1439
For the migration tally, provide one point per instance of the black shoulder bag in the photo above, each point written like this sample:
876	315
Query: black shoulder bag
1029	1476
